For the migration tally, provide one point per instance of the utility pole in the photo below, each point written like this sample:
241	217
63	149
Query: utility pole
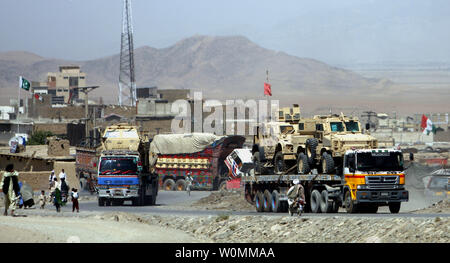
127	82
86	91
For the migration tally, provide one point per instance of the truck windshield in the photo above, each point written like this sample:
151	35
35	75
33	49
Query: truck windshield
336	126
118	165
352	126
380	161
286	129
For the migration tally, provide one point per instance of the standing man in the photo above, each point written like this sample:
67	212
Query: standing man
10	188
51	179
62	175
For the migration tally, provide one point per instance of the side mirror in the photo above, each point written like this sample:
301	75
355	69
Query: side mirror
351	163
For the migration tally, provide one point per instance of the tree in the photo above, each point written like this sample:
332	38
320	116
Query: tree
39	137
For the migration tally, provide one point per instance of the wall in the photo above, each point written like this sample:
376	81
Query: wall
20	163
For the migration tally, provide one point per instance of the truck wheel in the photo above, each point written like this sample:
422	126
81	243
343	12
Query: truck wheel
267	201
327	163
257	161
279	164
335	207
275	202
302	164
325	205
180	185
101	201
315	201
350	206
169	185
259	201
311	147
394	207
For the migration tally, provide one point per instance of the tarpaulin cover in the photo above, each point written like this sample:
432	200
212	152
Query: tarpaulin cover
180	143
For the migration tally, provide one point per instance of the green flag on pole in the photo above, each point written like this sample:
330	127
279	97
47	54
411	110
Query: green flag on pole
24	84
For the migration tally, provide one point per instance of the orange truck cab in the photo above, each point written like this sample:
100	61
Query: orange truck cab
373	178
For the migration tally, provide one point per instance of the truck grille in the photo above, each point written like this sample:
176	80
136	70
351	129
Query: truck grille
380	182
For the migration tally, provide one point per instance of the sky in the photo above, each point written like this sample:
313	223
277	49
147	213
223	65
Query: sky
332	31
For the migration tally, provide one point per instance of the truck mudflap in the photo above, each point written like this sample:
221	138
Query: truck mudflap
377	196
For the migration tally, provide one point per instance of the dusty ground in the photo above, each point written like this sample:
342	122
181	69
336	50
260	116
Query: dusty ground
126	227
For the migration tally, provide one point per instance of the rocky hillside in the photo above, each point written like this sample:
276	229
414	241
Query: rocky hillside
221	67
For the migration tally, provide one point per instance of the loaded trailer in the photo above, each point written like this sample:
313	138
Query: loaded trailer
202	155
370	178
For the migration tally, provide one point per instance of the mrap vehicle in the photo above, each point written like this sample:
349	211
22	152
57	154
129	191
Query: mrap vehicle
370	178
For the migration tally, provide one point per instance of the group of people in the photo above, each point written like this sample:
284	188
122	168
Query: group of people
59	191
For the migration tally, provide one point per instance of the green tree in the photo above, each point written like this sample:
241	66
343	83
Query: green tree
39	137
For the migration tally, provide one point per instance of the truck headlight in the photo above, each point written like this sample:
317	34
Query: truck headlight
361	187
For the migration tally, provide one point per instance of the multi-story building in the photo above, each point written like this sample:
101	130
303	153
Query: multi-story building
63	86
66	82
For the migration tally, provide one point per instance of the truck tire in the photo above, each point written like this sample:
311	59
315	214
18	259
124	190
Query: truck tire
394	207
101	201
275	202
180	185
311	147
169	185
350	206
326	206
315	201
267	201
327	163
303	164
259	202
278	163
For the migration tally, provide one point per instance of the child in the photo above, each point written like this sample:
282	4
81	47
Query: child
42	199
75	200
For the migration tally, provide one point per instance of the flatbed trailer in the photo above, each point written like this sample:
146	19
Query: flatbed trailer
370	178
268	192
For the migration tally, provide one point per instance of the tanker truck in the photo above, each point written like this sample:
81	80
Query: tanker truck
124	173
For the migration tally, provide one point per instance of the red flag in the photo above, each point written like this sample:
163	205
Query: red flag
424	122
37	96
267	89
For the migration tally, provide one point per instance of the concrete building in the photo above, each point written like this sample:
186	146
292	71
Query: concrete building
65	83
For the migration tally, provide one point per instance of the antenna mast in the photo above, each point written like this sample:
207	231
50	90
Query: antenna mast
127	84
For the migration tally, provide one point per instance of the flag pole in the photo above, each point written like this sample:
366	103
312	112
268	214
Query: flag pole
18	104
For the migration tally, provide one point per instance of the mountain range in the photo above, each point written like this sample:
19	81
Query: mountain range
229	67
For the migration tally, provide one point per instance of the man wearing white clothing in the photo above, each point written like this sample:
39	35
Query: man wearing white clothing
62	175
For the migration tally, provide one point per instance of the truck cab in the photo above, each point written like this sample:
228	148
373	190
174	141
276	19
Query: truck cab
373	178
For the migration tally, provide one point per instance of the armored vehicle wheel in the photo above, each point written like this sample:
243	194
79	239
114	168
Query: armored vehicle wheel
394	207
169	184
302	164
276	207
327	163
257	161
180	185
279	164
267	201
315	201
311	147
259	201
350	206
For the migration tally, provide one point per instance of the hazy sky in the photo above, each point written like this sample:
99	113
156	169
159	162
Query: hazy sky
333	31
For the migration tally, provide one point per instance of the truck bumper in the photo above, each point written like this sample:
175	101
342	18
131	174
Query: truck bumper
118	193
382	196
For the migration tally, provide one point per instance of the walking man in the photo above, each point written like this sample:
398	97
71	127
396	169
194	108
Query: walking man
75	204
10	188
